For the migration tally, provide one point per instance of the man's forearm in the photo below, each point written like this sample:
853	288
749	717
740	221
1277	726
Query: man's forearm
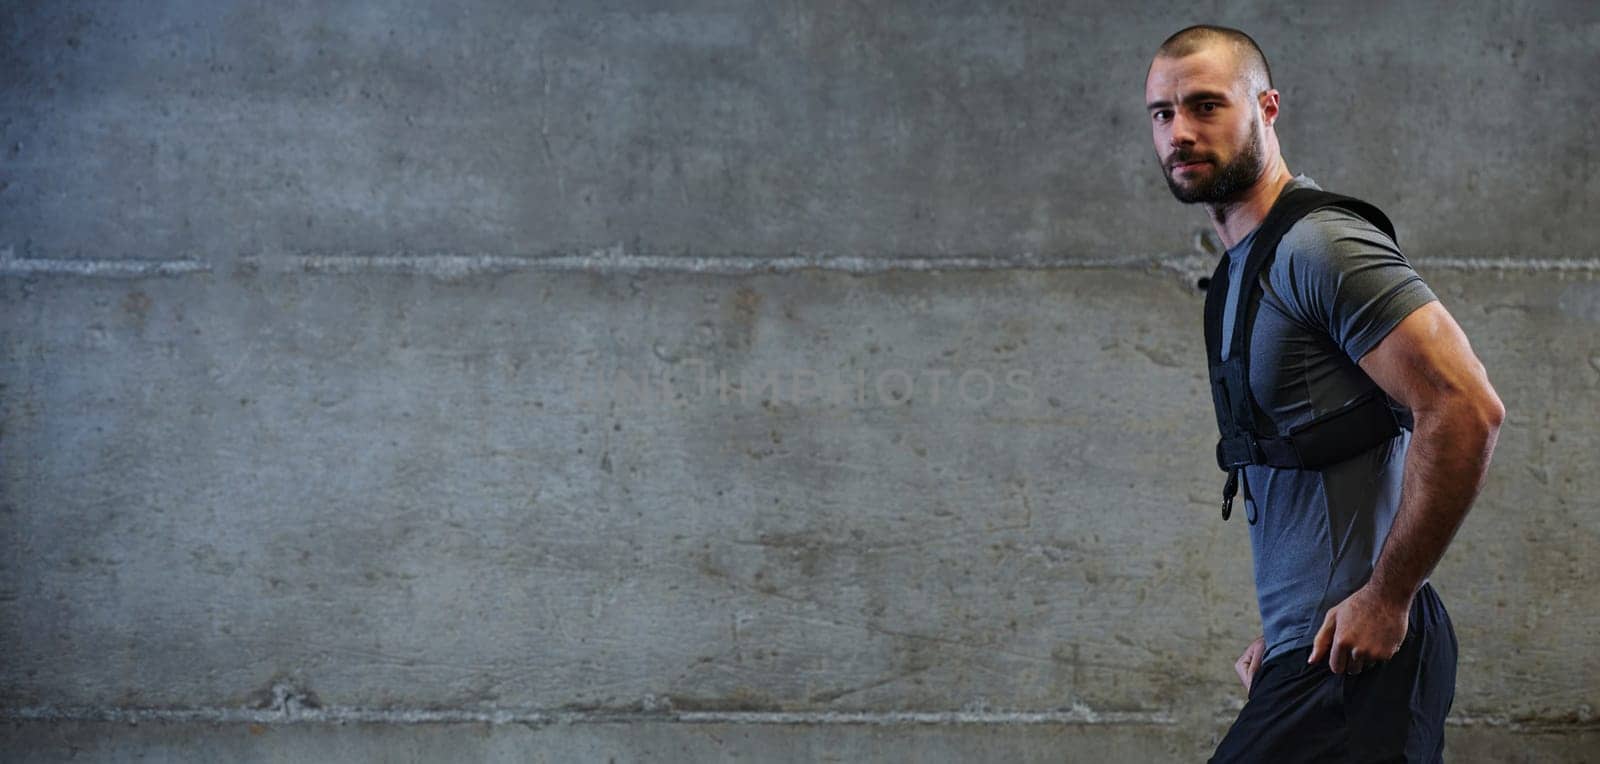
1444	470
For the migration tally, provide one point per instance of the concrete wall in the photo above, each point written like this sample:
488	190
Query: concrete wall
311	444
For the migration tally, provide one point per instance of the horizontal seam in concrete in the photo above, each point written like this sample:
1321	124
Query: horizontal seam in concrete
113	268
302	715
1077	715
605	261
612	261
1581	265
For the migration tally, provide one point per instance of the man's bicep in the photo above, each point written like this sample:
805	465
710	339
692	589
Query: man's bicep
1426	361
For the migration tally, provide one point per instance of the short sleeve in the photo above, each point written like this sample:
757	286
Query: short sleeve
1336	272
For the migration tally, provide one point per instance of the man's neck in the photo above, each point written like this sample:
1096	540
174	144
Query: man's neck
1236	219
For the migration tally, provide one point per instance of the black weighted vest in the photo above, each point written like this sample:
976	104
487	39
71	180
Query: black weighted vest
1248	435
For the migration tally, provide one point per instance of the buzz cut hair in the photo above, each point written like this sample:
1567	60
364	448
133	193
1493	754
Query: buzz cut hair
1253	69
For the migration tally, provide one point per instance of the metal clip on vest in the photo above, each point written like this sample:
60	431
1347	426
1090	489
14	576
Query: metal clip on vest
1228	490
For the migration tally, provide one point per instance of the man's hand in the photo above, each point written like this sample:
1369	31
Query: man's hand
1362	630
1248	663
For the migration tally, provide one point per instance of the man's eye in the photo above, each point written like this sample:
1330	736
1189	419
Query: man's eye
1161	116
1209	106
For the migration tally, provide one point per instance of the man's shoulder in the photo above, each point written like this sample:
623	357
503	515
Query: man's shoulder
1326	225
1336	270
1326	238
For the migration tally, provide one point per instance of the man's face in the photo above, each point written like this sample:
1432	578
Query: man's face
1207	135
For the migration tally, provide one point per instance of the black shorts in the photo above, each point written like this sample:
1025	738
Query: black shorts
1393	711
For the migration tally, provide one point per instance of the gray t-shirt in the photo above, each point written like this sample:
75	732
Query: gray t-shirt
1336	288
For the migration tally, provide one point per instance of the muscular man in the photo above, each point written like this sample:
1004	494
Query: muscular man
1357	659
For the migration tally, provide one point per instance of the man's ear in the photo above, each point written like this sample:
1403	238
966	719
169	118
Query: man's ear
1268	101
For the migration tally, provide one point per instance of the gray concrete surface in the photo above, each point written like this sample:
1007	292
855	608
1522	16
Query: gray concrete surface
311	443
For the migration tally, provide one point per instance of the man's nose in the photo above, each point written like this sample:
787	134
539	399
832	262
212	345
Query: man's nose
1182	133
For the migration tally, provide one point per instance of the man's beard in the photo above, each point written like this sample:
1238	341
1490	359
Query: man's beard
1228	182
